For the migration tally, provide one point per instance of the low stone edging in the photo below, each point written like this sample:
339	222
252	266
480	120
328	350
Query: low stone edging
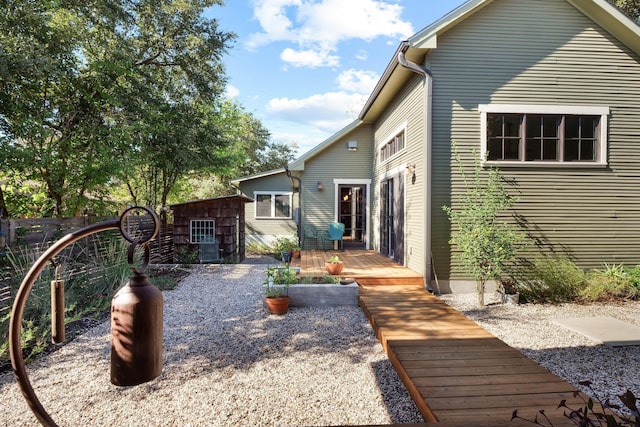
323	295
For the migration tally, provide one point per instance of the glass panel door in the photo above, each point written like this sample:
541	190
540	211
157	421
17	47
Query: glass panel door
352	213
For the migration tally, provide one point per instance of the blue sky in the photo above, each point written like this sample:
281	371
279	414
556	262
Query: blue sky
306	67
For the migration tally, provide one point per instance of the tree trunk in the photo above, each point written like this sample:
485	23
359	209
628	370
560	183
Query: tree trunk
4	212
480	285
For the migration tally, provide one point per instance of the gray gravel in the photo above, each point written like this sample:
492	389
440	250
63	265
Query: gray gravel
226	362
572	356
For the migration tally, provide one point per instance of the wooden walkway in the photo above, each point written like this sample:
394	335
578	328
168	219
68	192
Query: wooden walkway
457	373
367	267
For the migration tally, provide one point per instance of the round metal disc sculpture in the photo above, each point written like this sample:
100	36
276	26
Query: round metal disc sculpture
136	312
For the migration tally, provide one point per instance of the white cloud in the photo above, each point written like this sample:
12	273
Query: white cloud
328	112
309	58
231	91
362	55
320	25
358	81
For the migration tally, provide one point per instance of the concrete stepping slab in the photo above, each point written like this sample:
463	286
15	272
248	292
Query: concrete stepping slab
605	330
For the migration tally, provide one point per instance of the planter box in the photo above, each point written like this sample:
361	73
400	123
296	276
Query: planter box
323	295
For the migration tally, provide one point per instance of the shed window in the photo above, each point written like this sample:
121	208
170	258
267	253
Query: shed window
540	134
202	230
273	205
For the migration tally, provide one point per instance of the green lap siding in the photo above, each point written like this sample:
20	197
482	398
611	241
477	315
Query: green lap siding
541	52
267	229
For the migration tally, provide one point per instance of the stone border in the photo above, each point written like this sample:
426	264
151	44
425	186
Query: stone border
323	295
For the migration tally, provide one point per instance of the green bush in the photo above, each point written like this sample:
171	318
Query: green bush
92	276
552	279
257	248
283	244
613	282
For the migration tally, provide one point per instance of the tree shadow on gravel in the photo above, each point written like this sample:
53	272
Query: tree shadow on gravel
400	406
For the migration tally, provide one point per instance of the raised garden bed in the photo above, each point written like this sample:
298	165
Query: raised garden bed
323	295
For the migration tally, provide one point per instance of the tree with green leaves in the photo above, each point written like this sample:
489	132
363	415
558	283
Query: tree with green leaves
630	7
86	90
486	242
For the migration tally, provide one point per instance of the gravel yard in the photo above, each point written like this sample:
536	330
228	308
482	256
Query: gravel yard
572	356
226	362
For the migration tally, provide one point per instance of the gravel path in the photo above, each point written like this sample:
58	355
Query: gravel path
225	365
572	356
233	364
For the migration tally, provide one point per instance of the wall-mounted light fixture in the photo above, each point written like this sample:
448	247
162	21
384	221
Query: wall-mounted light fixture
411	170
352	145
320	186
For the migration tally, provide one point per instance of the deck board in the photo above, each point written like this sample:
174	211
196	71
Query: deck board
367	267
457	373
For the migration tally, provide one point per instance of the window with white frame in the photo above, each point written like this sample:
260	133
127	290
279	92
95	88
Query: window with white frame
272	205
202	230
392	147
517	134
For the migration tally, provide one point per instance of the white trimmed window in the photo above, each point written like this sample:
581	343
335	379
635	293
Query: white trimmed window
542	135
202	230
270	205
392	146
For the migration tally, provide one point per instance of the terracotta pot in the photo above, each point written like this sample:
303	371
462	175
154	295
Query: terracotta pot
334	268
296	254
278	305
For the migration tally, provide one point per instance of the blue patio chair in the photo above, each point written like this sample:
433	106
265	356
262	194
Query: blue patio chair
336	231
309	231
209	250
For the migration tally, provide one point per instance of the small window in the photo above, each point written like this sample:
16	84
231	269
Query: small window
392	147
544	134
202	230
273	205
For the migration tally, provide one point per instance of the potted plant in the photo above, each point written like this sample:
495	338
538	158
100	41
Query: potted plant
508	292
276	288
334	265
295	251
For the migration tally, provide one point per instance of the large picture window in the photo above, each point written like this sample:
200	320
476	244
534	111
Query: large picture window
544	134
272	205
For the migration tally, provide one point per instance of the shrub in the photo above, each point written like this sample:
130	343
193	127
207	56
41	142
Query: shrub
283	244
553	279
613	282
592	412
486	243
257	248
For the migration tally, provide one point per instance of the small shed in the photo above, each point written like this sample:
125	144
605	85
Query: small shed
210	230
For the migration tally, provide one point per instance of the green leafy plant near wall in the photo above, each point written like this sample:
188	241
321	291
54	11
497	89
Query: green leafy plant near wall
486	242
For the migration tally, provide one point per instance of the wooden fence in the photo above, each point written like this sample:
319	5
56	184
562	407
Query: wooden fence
35	235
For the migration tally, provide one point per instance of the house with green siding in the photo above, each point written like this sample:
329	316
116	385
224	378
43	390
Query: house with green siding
546	90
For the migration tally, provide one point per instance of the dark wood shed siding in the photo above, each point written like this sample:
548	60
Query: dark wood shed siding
229	215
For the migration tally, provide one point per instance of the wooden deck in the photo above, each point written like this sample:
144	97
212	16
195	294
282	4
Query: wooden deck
367	267
457	373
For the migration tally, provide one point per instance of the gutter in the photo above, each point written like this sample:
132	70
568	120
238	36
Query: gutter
299	218
426	158
404	45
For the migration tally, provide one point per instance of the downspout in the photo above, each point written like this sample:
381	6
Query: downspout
299	219
426	160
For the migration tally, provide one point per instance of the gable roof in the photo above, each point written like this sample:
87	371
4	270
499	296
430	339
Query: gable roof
298	164
603	13
417	46
236	197
235	182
